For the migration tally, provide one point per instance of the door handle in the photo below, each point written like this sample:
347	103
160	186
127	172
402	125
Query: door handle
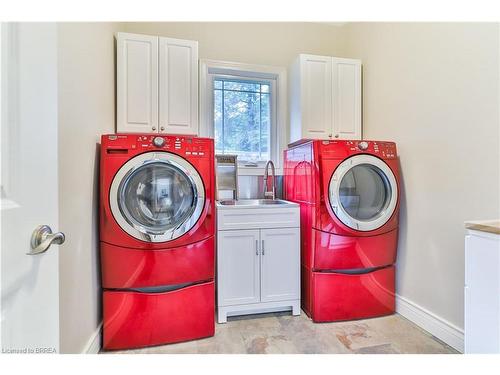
262	247
256	247
42	238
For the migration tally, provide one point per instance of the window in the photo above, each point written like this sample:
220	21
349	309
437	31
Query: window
243	107
242	118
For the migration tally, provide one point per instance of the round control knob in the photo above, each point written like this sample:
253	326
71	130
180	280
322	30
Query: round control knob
363	145
158	141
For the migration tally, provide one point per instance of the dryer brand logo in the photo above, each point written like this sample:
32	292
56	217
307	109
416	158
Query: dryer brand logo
115	137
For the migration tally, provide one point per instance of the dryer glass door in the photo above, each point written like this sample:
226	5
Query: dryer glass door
363	192
157	197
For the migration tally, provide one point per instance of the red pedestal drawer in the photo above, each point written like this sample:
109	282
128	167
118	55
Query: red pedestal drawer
337	296
135	319
123	267
334	252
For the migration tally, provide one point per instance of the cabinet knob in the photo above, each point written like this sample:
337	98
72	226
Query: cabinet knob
154	128
330	135
162	128
336	135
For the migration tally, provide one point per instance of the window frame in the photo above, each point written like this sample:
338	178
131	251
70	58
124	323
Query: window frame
276	76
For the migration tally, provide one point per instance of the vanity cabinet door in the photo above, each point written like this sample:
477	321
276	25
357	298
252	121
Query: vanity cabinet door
280	264
238	267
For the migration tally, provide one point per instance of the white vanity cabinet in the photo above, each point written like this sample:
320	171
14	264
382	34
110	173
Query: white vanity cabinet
325	98
156	84
482	287
258	260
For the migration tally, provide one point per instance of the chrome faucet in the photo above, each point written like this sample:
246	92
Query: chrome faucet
272	193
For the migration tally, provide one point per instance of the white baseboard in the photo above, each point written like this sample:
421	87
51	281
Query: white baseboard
435	325
94	344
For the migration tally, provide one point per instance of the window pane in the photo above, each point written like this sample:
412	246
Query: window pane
264	88
242	120
265	125
364	192
241	86
218	121
242	124
157	197
217	84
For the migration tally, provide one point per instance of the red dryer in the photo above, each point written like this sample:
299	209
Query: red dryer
157	226
348	193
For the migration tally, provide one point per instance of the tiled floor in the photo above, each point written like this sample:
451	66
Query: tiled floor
283	333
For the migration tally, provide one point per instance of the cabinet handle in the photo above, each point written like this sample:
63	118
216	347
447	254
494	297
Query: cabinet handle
154	128
330	135
256	247
262	247
162	128
336	135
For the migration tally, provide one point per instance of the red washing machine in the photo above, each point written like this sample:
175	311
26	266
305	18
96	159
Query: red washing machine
157	226
348	193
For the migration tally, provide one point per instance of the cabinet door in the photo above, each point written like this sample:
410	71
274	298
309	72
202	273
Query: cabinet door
346	98
238	267
137	83
178	86
316	96
482	291
280	264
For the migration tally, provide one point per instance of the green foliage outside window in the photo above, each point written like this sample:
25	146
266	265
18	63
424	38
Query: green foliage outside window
242	119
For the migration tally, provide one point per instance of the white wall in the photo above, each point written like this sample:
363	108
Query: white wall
434	90
86	110
271	43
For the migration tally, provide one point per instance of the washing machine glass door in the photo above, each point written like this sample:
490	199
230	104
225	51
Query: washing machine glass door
363	192
157	196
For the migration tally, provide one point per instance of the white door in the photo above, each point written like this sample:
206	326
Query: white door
238	267
280	259
29	187
178	80
346	98
316	96
136	83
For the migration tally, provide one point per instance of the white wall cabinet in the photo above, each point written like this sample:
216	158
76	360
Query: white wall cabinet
325	98
157	84
482	292
258	270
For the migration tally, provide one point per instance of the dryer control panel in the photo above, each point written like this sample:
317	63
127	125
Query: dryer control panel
342	149
183	145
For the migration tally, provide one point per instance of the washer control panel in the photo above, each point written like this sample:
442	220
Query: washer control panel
184	145
386	150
